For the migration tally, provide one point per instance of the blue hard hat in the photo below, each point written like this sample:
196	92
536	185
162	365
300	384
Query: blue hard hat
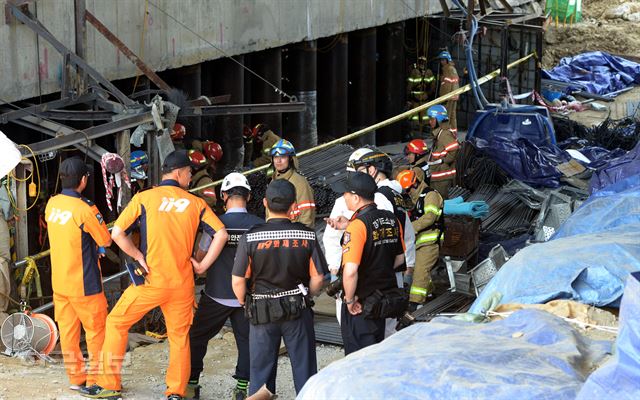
438	112
138	158
444	55
283	148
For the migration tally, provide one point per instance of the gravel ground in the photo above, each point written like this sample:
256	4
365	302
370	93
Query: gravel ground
143	373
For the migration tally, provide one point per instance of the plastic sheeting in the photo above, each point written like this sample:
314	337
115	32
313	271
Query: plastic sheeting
588	260
599	72
529	122
620	378
616	169
529	355
524	160
615	206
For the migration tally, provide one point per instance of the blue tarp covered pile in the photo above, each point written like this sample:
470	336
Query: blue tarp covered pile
529	355
616	169
620	378
588	260
523	160
599	72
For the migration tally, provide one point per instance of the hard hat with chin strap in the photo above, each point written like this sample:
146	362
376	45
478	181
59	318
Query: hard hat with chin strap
438	112
407	178
416	146
282	148
444	55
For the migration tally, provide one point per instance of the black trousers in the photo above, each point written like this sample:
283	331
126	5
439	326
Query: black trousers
358	332
209	319
300	341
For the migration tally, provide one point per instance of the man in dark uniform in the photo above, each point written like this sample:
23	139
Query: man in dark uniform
372	249
279	258
218	302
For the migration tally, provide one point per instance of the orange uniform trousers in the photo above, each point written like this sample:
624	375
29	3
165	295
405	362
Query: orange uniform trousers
72	313
177	307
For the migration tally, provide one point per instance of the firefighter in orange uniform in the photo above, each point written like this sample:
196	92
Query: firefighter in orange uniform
169	218
76	230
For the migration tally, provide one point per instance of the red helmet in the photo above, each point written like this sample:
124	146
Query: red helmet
178	132
198	160
212	150
407	178
259	130
416	146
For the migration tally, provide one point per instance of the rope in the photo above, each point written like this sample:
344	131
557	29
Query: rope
604	328
277	89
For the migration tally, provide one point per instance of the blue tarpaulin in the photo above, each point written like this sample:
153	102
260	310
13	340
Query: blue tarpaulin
529	355
620	378
616	169
599	72
588	260
524	160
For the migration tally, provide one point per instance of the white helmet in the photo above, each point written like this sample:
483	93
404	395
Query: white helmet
233	180
356	156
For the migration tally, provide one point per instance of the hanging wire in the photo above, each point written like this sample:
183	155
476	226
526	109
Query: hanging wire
277	89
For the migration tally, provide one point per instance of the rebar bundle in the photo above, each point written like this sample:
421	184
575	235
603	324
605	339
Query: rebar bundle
508	214
610	134
475	169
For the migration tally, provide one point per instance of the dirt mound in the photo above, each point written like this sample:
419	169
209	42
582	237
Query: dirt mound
596	32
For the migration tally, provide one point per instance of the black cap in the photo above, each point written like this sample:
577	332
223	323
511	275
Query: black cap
281	192
358	183
174	160
72	169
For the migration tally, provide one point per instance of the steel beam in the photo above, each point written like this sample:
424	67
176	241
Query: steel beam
110	36
26	18
53	129
38	108
238	109
79	137
78	115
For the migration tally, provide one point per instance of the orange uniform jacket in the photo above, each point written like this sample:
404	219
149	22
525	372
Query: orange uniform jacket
76	229
169	218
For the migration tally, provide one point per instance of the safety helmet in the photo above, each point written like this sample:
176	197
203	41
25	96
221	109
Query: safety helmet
438	112
444	55
259	130
138	158
233	180
178	132
368	157
282	148
355	157
407	178
416	146
198	160
212	150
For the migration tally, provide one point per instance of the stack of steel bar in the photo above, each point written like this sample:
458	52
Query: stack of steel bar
475	169
323	169
458	191
327	329
508	215
448	302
